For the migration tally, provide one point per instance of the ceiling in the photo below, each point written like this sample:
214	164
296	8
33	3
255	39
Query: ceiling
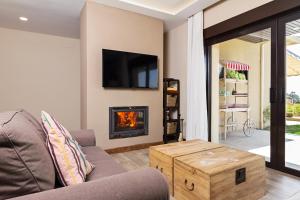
171	7
56	17
62	17
172	12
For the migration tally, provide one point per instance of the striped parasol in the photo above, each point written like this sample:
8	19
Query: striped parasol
237	66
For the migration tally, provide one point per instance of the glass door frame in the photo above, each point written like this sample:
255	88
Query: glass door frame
281	62
277	90
235	34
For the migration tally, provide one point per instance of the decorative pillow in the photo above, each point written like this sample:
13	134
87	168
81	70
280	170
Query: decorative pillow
71	165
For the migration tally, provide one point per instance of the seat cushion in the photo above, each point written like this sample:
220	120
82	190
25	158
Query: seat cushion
105	165
26	166
70	162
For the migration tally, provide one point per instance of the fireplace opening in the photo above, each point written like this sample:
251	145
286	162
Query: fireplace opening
128	121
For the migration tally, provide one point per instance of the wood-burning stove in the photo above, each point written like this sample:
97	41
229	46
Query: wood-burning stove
128	121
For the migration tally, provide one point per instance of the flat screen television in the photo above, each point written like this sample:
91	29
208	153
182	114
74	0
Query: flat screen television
129	70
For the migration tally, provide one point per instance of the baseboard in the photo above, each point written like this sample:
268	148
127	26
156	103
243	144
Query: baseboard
132	148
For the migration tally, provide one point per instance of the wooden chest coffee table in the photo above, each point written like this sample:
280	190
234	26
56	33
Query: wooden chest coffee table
219	174
162	156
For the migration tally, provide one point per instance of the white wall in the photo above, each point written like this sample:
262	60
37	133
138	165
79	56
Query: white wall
40	72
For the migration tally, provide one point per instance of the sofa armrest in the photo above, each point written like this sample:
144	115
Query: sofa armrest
144	184
84	137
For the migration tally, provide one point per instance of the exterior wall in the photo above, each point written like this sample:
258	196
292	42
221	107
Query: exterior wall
248	53
111	28
40	72
258	56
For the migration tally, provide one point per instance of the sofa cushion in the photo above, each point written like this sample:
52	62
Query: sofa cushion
27	166
70	162
37	125
105	165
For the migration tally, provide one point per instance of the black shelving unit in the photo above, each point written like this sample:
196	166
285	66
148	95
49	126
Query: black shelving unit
171	110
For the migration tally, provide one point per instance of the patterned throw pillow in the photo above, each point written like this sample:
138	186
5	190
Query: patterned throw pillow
71	165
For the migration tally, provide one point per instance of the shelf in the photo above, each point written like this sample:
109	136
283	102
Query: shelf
234	81
235	95
171	133
172	108
172	120
234	109
230	125
171	137
172	92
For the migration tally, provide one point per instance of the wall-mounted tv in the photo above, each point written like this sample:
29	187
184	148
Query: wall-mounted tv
129	70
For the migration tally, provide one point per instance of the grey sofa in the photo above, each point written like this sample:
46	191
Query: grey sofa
108	181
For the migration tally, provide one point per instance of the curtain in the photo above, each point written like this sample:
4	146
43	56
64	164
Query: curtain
196	81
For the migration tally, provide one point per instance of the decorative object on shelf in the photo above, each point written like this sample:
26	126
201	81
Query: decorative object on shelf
234	73
171	100
180	139
171	109
171	127
172	89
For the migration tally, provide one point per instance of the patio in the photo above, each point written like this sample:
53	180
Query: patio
259	143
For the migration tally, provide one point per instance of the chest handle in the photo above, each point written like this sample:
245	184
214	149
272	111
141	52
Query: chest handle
161	169
191	187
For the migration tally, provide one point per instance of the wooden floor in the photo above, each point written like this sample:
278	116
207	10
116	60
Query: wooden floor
280	186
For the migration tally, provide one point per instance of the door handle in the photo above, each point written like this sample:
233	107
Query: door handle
272	95
161	169
282	95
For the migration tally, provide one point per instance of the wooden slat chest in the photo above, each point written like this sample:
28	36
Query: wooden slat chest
162	156
219	174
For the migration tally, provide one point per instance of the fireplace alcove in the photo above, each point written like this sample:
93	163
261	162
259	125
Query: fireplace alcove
127	122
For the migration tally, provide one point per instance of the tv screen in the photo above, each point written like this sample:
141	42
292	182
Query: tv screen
129	70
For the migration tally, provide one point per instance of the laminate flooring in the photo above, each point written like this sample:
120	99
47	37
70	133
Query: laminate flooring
280	186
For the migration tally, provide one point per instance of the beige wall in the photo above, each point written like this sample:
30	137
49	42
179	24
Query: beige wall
228	9
112	28
40	72
83	68
175	61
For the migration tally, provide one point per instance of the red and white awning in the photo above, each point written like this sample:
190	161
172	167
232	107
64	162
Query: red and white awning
237	66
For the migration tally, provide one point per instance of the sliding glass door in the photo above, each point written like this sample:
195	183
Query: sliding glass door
254	79
241	68
289	91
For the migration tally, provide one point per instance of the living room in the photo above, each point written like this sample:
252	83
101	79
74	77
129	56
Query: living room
72	59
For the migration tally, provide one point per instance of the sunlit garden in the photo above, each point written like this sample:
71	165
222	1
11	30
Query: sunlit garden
293	113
